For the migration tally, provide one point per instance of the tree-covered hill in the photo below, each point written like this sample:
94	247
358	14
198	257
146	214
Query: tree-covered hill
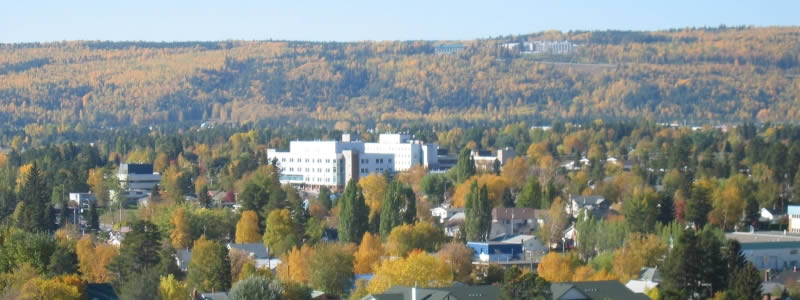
708	74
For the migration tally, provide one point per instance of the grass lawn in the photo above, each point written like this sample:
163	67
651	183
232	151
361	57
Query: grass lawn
109	216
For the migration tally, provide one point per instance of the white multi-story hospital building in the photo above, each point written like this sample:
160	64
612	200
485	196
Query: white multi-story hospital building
333	163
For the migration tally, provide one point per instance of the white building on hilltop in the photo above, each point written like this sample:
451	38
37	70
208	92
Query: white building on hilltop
334	163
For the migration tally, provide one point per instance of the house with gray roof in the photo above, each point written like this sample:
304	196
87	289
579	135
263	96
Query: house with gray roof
649	278
258	252
465	292
593	204
594	290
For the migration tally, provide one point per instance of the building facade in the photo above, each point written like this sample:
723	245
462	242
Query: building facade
334	163
793	212
138	177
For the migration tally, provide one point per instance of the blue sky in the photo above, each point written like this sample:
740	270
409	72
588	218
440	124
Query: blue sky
177	20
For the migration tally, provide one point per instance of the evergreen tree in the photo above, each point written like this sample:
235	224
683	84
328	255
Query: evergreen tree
62	214
682	272
745	283
325	197
155	195
34	215
203	198
63	261
353	214
528	285
796	187
253	197
478	213
399	207
508	198
712	266
465	167
94	220
138	252
699	206
531	194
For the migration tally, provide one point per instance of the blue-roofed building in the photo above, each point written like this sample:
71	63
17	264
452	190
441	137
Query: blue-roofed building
496	251
773	250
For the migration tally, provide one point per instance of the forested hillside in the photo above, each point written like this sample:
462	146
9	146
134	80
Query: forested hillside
711	74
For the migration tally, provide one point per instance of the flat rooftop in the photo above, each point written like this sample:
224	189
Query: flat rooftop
763	237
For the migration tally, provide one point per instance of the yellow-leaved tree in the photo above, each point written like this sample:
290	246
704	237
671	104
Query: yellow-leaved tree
555	267
171	289
180	236
419	268
374	188
405	238
295	264
639	251
93	259
247	228
68	287
369	252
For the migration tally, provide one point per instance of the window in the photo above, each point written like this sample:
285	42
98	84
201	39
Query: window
327	160
283	159
291	159
390	160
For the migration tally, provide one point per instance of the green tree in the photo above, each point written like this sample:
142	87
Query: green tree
796	188
399	207
478	213
254	197
140	285
63	261
280	234
331	269
35	199
325	197
465	167
203	198
255	287
94	220
433	187
641	210
138	252
353	214
508	198
699	205
527	285
682	272
210	267
531	194
745	283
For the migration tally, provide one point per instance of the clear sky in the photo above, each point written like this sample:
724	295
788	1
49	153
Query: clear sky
330	20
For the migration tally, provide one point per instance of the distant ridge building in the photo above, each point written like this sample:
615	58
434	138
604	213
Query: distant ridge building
448	48
312	164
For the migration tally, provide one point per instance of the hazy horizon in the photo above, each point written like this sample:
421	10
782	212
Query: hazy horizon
177	21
